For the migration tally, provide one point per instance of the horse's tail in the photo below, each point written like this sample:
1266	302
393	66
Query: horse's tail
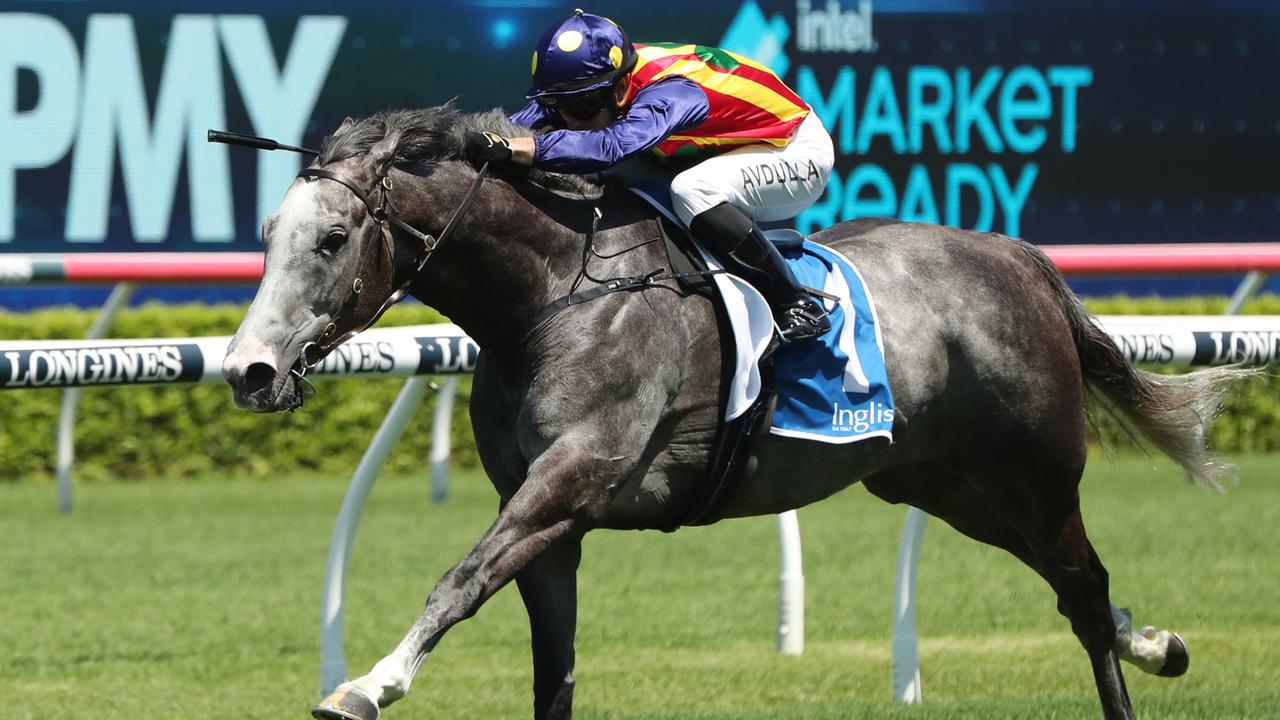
1170	411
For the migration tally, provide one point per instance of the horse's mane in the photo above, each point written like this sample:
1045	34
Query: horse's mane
433	134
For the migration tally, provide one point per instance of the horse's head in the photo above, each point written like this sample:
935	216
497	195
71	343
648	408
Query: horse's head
339	252
332	265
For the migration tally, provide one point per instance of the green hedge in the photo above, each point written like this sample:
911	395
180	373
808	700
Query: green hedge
181	431
144	431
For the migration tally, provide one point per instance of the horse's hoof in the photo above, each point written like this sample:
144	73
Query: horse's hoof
1176	658
345	705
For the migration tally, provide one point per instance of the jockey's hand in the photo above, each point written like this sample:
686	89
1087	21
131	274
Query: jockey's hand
486	147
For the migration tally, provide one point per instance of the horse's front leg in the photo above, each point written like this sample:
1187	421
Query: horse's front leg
567	491
549	589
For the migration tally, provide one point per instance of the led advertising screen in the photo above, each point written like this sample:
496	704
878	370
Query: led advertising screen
1073	121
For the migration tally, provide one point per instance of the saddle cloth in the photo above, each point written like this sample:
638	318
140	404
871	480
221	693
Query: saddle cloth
832	389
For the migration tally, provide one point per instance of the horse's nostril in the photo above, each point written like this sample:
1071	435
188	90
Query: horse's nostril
258	376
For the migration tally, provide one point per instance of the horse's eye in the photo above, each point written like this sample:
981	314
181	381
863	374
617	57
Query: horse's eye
332	243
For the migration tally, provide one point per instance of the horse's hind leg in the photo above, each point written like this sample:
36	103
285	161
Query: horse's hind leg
1072	567
1015	517
1079	572
948	496
1037	490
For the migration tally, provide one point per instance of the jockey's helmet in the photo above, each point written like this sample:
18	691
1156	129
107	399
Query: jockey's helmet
579	57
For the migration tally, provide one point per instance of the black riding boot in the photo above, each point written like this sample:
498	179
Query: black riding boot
726	230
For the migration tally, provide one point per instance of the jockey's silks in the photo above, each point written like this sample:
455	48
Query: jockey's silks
749	103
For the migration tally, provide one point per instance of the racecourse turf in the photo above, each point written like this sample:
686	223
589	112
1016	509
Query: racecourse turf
200	599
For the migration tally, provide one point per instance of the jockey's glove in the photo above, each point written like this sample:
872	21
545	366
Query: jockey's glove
486	147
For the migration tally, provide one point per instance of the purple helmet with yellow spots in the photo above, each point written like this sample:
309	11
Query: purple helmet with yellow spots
578	55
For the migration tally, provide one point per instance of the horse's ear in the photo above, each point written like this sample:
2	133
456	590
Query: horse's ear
345	126
384	152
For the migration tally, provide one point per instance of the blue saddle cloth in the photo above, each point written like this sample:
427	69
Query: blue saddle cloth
834	388
831	389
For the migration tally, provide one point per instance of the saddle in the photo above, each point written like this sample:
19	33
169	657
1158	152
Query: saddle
849	400
735	438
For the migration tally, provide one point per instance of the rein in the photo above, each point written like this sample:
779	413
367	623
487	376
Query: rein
604	286
384	214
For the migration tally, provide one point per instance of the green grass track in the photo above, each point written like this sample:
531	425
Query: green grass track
200	599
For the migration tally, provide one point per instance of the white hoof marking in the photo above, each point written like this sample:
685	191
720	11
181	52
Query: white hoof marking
1147	648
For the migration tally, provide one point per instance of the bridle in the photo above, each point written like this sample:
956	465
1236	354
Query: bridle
384	214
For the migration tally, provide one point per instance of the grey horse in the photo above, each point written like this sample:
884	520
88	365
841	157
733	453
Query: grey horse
603	415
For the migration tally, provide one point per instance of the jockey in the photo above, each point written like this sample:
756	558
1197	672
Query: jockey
763	154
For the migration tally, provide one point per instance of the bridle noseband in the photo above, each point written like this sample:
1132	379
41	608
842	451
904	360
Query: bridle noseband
384	214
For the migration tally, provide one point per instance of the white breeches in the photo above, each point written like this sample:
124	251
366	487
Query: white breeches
768	183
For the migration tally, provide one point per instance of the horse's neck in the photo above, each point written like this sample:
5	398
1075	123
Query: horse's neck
514	253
